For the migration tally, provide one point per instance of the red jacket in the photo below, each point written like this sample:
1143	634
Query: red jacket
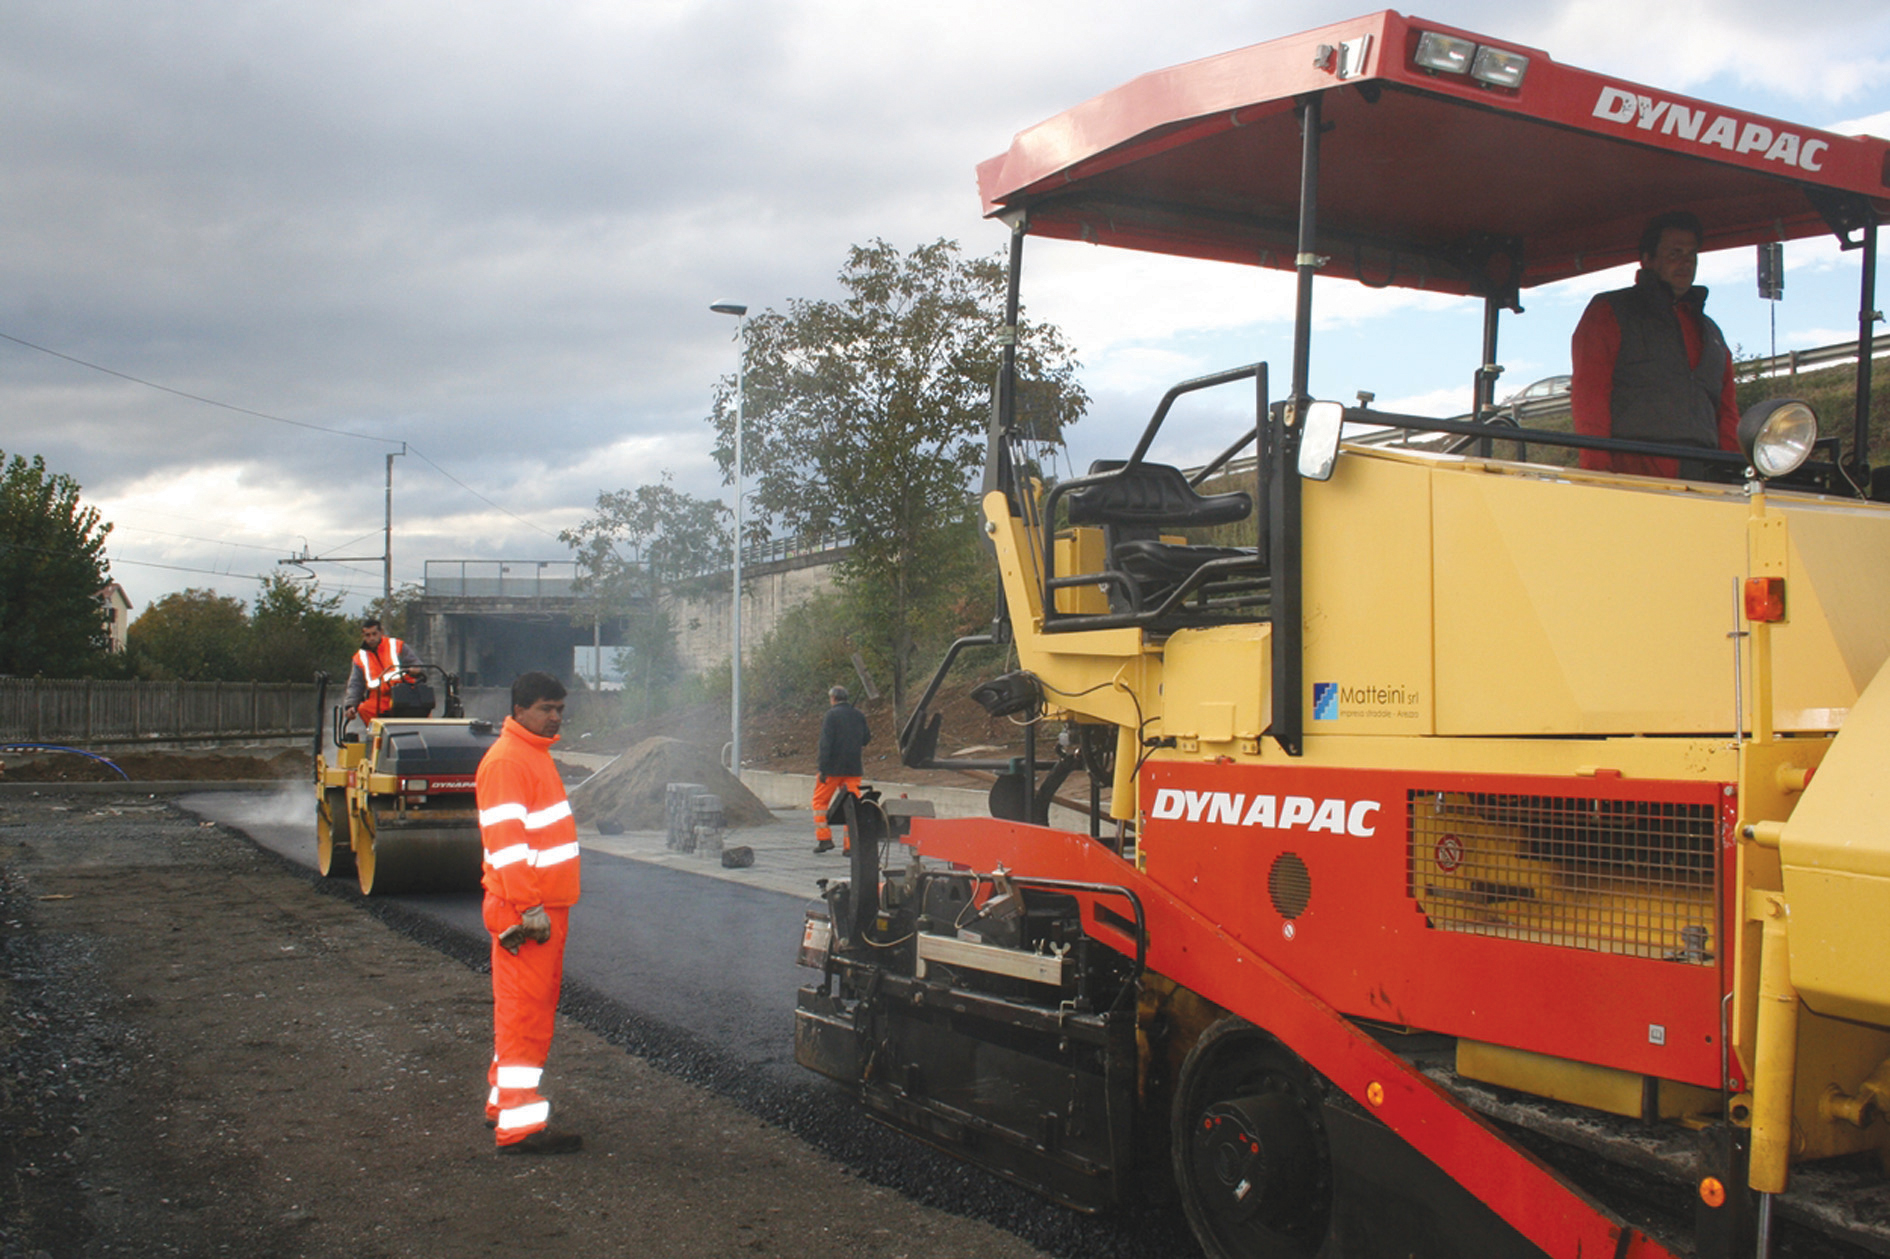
525	821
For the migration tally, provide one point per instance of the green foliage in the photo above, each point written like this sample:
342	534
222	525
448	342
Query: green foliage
202	636
194	635
808	651
399	615
636	545
1832	393
52	567
296	630
865	417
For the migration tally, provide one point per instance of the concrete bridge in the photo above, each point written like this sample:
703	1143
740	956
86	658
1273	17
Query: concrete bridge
490	620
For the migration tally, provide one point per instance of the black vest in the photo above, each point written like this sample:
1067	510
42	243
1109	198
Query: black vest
1656	396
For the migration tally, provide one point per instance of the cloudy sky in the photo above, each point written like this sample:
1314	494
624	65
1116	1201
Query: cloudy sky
248	249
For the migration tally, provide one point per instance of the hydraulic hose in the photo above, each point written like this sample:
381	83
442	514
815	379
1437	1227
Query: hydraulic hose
48	747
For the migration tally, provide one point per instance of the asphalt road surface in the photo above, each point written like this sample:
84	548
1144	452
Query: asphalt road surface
692	968
705	957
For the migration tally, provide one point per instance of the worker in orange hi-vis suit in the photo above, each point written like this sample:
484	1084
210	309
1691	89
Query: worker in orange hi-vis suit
531	882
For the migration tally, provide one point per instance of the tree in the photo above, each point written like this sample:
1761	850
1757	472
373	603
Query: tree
633	548
52	568
194	635
866	416
296	630
398	614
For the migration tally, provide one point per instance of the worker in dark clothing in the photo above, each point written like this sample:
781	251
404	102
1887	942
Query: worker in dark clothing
843	732
1650	366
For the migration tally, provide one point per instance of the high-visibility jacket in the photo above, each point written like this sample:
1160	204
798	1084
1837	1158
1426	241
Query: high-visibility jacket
382	667
531	844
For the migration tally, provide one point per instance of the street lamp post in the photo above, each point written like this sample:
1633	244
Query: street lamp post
735	607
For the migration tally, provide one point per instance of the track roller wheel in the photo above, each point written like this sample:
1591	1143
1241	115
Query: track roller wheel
334	854
1249	1148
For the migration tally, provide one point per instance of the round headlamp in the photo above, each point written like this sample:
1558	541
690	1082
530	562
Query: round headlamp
1777	435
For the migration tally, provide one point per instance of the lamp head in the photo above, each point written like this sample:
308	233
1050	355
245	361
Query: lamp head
729	308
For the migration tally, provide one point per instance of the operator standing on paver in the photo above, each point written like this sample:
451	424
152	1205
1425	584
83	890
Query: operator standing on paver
1650	365
531	882
843	732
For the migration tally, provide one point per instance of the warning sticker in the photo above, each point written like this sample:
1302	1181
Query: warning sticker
1449	853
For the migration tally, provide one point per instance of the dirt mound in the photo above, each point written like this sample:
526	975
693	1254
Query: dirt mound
78	766
631	791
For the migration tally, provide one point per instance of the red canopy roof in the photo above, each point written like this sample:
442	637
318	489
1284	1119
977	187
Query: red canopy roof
1426	180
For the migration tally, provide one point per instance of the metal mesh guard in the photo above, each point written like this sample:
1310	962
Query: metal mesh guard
1633	877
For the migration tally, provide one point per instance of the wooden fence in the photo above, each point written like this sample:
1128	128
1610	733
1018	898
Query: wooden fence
39	710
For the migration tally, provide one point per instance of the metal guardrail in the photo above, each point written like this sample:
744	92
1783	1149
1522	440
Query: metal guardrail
1794	361
557	579
501	579
58	710
794	548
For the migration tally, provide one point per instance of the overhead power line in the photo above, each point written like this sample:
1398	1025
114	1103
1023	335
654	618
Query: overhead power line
209	402
276	419
180	568
481	497
118	526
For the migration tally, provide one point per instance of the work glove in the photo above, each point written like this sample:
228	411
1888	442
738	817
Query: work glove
536	924
512	937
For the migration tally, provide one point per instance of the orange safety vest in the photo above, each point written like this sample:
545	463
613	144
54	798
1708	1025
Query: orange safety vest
378	670
525	822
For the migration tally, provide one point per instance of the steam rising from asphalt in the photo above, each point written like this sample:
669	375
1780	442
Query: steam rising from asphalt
289	804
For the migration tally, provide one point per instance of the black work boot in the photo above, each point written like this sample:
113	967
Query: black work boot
825	845
546	1141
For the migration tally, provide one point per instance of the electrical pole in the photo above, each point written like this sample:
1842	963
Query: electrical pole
387	542
386	557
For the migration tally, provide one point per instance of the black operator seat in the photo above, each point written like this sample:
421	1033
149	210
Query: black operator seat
1137	506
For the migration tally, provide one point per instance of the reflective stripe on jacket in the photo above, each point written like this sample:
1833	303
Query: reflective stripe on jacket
525	822
382	666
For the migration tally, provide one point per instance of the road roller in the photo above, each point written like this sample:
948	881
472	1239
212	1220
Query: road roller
394	807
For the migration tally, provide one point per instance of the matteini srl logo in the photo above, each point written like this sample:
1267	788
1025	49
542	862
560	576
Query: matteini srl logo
1325	701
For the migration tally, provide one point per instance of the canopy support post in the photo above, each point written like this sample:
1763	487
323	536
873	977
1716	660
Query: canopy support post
1867	317
1483	399
1289	717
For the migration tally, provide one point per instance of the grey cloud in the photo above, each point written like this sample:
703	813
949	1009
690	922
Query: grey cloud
488	229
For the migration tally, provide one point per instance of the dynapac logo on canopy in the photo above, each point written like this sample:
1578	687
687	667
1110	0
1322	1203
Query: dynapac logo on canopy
1274	813
1725	131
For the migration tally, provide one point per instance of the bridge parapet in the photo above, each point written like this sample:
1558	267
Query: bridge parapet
501	579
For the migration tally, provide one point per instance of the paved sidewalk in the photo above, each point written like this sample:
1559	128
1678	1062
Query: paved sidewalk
784	848
784	854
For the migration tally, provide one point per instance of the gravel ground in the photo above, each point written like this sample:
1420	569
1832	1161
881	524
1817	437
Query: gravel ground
203	1053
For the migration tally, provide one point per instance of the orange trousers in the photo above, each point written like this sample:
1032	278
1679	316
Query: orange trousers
524	1008
824	789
